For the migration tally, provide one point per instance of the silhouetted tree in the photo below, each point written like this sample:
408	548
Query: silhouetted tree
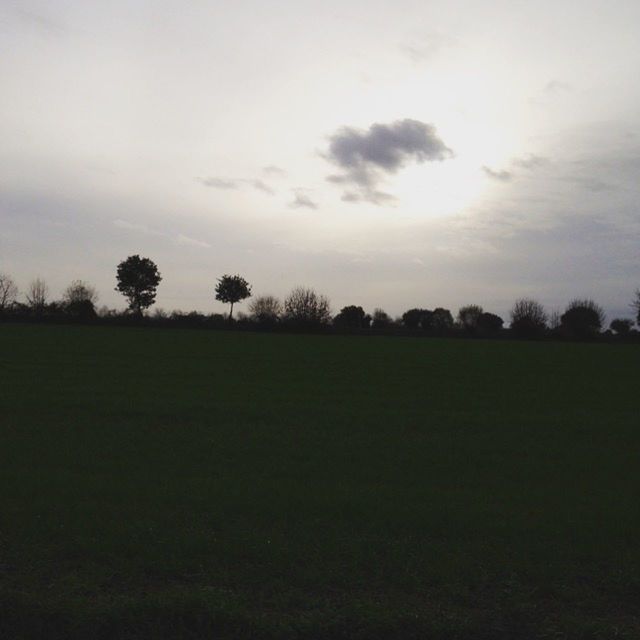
232	289
304	306
37	294
8	292
441	320
621	326
582	318
489	323
352	317
636	305
414	319
381	319
468	317
265	309
528	318
79	291
138	280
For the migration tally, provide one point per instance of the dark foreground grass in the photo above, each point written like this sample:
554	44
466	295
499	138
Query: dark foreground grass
169	484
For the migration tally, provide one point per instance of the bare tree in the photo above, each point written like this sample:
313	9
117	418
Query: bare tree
8	291
528	318
305	306
37	294
636	305
78	292
265	309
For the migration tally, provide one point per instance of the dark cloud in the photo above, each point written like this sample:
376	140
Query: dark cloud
302	201
502	176
365	157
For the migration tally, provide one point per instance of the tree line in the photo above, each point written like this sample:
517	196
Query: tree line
138	279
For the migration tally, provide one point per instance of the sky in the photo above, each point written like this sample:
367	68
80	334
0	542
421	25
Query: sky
390	154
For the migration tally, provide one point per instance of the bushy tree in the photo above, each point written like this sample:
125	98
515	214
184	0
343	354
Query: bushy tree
8	292
305	307
414	319
489	323
622	326
582	318
37	295
468	317
528	318
138	280
352	317
441	320
232	289
265	309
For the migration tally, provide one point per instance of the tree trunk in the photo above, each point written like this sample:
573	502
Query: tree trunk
231	313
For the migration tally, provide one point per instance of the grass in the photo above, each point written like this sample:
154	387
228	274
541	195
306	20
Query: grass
191	484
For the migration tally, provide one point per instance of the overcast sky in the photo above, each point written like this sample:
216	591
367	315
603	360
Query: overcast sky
388	154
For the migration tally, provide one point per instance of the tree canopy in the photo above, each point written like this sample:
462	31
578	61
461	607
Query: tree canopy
138	280
232	289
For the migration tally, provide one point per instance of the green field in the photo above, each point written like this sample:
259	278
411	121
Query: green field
193	484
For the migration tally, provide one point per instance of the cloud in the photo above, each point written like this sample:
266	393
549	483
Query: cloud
301	200
191	242
218	183
367	156
530	161
260	186
179	238
273	171
42	23
225	183
425	47
557	86
502	176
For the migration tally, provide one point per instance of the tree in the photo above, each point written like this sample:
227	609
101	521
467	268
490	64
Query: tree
381	319
636	305
265	309
621	326
582	318
8	292
232	289
489	323
37	294
528	318
352	317
79	291
305	307
468	317
441	320
415	319
138	279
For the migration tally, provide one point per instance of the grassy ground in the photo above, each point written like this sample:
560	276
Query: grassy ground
187	484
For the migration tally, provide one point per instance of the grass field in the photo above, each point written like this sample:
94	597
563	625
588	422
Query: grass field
192	484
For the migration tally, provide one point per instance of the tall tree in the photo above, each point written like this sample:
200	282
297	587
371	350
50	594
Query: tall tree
232	289
37	294
138	279
8	291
